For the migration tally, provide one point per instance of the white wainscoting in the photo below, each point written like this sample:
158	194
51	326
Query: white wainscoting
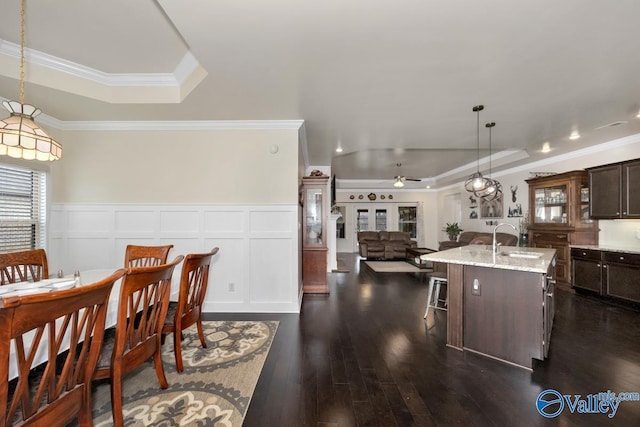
255	271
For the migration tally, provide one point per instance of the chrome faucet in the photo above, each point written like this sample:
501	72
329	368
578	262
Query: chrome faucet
495	243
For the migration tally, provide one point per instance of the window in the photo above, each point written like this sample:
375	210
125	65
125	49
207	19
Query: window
407	220
22	208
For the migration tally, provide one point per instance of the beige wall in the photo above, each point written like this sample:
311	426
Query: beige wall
208	166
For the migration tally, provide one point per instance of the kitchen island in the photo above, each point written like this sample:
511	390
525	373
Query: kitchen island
499	304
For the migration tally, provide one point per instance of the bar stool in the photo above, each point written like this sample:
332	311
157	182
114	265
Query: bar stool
436	278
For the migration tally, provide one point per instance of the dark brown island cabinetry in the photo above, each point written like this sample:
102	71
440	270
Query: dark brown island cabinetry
613	275
559	216
615	190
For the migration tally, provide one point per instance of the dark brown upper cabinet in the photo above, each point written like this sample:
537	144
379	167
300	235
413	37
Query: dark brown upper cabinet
615	190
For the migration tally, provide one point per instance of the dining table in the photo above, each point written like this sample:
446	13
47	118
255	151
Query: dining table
86	277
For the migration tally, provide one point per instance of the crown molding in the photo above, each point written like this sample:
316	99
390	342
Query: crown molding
171	125
122	88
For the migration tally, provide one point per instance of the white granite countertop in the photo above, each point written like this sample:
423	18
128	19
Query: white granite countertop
609	248
535	260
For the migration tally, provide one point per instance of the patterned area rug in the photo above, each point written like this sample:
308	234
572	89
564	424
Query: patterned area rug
215	387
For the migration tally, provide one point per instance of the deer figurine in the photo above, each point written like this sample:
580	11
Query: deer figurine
513	193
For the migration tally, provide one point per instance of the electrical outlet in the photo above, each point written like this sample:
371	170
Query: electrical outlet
475	287
232	287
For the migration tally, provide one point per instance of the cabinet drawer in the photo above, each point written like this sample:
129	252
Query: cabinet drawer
586	254
622	258
562	251
559	237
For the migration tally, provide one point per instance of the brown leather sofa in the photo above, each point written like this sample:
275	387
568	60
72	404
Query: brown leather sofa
479	238
384	244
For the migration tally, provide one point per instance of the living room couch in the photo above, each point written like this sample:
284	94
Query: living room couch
479	238
384	244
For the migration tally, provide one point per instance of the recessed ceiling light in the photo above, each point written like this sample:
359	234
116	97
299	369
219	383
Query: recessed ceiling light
638	114
574	135
339	150
428	186
546	147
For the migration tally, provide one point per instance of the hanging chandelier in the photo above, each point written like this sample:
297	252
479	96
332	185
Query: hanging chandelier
493	191
20	136
476	182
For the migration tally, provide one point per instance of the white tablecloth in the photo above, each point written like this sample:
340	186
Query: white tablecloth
86	278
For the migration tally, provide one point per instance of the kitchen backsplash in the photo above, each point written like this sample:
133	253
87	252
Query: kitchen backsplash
624	233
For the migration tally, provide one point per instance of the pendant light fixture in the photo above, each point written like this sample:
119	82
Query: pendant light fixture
20	136
476	182
493	191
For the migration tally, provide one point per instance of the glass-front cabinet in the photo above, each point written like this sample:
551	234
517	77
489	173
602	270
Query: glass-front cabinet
314	216
560	201
559	215
551	205
314	244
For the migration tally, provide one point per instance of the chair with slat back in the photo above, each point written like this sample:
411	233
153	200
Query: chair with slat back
188	309
73	317
146	256
142	308
23	266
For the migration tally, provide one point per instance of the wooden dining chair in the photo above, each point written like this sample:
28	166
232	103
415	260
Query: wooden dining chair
188	309
73	317
142	308
146	256
23	266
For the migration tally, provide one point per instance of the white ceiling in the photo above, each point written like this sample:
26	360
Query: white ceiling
390	81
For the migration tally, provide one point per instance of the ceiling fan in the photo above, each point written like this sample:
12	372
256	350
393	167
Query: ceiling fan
400	179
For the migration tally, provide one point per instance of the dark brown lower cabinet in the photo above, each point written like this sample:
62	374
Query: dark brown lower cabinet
614	275
587	270
622	276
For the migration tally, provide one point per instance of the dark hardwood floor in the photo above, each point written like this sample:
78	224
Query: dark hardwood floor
364	356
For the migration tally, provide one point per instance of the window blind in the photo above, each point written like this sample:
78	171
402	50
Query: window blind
22	209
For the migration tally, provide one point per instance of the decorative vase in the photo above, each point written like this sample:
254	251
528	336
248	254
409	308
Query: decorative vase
524	239
453	237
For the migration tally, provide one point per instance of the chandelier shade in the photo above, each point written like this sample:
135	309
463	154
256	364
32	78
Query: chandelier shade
20	136
477	183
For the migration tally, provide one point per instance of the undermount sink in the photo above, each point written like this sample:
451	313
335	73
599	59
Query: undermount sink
522	254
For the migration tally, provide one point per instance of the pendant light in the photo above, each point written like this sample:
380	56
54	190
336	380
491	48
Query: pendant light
493	191
476	182
20	136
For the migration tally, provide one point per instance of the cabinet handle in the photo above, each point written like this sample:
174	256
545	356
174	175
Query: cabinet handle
604	266
561	236
597	265
621	258
550	294
617	213
584	254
